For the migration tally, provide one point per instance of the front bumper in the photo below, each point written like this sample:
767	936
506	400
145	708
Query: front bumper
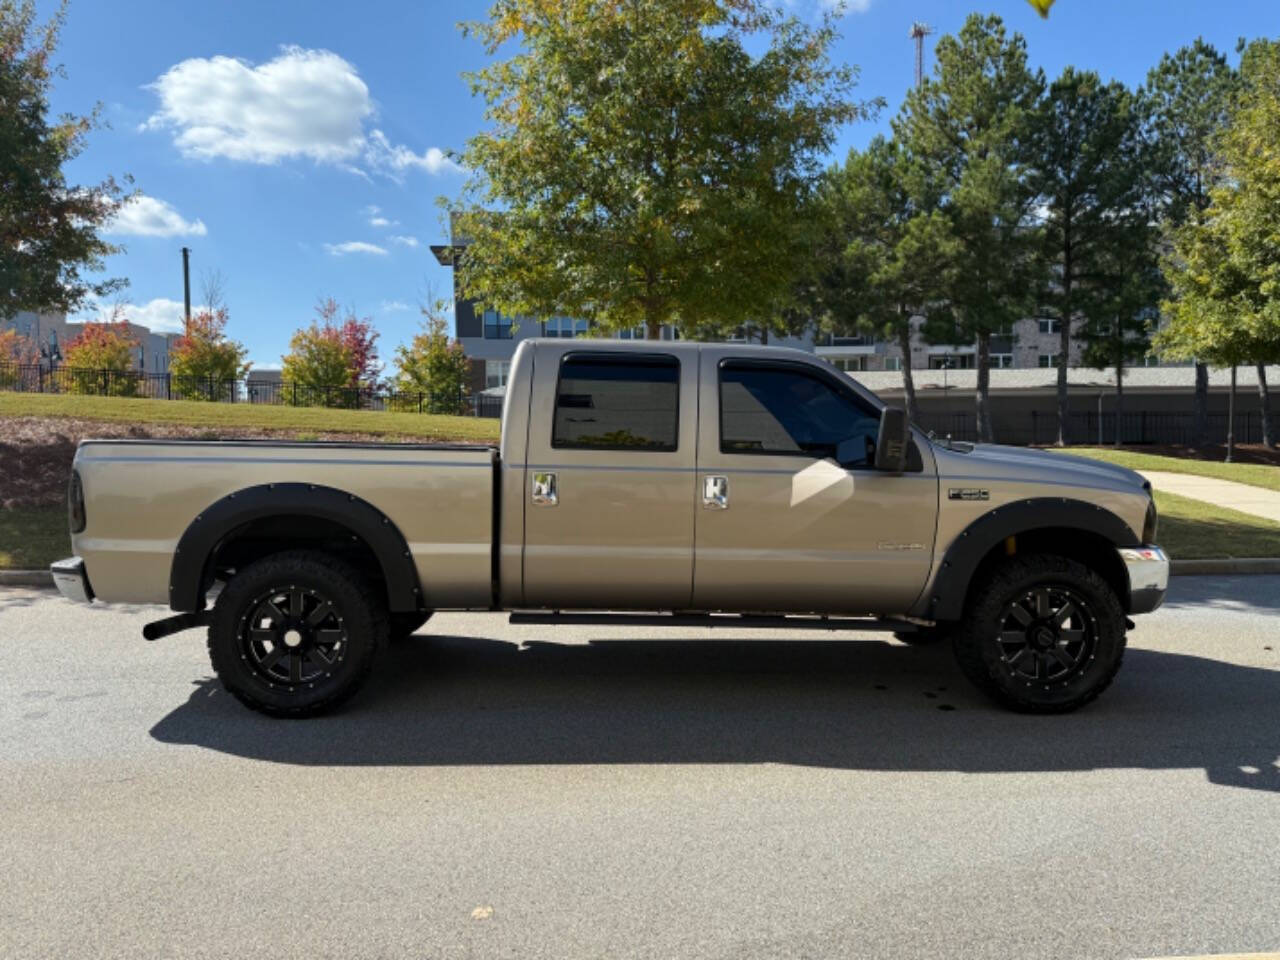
1148	568
71	580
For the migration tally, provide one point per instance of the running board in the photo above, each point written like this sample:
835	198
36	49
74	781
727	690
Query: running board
738	621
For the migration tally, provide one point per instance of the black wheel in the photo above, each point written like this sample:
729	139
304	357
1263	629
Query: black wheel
923	636
1044	634
404	625
295	634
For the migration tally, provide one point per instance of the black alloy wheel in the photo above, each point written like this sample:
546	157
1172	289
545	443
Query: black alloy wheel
1047	635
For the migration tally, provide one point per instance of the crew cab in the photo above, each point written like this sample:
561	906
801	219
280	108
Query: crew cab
675	482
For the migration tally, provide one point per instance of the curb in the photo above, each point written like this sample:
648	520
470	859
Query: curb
26	578
1181	568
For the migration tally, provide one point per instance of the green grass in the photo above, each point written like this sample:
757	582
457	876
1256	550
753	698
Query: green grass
1195	530
228	417
32	538
1255	474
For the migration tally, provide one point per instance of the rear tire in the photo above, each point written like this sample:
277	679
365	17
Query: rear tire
1043	634
296	634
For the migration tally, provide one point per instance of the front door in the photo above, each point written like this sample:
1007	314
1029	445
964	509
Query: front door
609	478
791	514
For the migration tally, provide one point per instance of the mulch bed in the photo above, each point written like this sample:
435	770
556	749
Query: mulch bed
36	452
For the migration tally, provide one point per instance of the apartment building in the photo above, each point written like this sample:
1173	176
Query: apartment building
50	332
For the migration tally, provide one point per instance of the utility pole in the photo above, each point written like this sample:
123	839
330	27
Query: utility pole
186	281
920	30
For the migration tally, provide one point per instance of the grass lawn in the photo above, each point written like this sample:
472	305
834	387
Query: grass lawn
33	538
1194	530
222	417
1256	474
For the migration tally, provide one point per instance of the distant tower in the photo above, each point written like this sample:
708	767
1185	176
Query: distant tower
920	30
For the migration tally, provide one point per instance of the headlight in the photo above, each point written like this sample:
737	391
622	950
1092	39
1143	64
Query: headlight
1149	525
75	504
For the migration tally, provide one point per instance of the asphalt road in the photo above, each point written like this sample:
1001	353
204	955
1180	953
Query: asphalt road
532	792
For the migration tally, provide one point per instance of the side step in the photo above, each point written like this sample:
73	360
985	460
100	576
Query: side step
731	620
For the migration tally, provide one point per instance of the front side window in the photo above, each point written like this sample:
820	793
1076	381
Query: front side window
617	402
787	410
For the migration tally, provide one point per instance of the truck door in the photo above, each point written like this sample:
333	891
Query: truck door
791	514
609	477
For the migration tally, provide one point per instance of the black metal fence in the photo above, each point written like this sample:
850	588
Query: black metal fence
1087	427
33	378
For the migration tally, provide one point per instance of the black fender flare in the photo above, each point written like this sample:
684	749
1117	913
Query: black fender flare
945	598
187	576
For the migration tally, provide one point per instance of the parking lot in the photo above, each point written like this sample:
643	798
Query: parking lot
548	792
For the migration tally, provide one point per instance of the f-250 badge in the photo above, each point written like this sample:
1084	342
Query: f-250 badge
968	493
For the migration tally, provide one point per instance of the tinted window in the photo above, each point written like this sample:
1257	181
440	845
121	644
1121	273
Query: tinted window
788	410
617	402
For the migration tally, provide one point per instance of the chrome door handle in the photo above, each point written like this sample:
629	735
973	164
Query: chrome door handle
544	490
715	493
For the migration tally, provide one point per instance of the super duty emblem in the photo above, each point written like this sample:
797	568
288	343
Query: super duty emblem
968	493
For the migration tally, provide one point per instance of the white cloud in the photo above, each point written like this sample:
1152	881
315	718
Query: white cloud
405	241
395	306
303	104
380	222
148	217
354	246
160	315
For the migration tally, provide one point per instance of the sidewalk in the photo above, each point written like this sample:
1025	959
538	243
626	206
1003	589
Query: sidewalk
1257	501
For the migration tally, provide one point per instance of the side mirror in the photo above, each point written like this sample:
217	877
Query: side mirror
891	442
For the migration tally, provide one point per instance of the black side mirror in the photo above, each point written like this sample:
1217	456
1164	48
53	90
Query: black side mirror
891	443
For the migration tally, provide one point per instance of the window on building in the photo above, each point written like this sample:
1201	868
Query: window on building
496	326
849	364
788	410
893	363
1001	361
495	373
1048	359
1004	330
617	402
567	327
1150	360
1050	326
636	333
951	361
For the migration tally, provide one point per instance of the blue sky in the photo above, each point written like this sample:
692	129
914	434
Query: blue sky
296	145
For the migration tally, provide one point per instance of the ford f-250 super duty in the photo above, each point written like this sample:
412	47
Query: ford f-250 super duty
713	483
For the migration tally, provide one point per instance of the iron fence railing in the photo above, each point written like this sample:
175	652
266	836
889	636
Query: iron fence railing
33	378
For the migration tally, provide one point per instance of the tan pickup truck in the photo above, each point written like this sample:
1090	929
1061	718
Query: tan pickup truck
674	483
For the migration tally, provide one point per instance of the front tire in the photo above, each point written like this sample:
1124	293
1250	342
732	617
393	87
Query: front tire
296	634
1043	634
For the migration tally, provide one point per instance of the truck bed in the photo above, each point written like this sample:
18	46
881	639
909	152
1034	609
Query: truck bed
141	496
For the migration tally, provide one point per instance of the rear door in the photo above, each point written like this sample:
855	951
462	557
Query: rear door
792	516
609	478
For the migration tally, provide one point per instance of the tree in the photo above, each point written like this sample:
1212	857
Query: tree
1223	266
1090	170
16	351
1186	103
433	366
49	239
203	359
102	359
643	167
337	355
969	127
886	258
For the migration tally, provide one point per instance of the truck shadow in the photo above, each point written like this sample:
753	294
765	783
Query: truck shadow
865	705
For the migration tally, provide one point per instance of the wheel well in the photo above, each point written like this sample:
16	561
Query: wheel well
264	536
1090	549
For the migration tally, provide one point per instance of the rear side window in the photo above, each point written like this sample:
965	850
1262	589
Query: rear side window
617	402
786	410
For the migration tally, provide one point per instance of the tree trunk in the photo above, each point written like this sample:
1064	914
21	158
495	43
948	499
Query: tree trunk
1064	407
983	398
764	336
1264	401
653	329
908	381
1200	437
1119	431
1231	416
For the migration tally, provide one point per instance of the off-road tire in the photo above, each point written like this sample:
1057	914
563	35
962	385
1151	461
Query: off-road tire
332	593
999	667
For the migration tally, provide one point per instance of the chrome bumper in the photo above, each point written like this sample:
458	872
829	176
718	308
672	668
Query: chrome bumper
1148	568
71	580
